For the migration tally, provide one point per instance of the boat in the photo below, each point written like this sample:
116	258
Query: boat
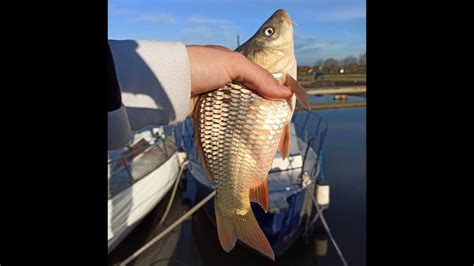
292	181
340	98
139	176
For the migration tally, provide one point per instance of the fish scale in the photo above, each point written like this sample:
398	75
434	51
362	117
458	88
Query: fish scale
249	132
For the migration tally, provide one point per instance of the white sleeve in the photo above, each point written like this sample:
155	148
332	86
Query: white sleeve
155	81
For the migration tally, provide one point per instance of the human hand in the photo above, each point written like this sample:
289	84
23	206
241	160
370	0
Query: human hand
214	66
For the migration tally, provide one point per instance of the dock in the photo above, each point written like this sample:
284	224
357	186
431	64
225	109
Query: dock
335	105
338	103
337	90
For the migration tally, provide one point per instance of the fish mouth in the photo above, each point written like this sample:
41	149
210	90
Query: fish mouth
283	15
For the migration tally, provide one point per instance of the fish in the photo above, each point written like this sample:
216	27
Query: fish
237	133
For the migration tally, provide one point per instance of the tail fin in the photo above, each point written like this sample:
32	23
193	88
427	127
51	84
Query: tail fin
246	229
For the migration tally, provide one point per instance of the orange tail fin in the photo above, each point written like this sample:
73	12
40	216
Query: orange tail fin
246	229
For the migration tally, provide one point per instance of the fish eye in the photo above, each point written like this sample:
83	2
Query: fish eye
268	31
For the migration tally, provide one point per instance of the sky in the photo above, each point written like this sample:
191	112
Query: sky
322	28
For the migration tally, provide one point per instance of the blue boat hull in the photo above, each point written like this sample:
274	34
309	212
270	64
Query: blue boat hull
282	229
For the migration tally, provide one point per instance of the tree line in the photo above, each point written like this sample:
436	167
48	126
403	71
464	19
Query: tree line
349	64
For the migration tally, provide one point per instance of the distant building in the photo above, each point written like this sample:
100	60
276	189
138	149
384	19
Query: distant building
319	74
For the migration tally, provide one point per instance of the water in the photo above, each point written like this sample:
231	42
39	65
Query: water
345	163
195	242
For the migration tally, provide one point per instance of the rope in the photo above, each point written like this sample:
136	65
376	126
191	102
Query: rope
171	227
175	188
317	216
329	232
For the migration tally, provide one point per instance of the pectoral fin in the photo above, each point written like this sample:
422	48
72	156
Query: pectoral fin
299	91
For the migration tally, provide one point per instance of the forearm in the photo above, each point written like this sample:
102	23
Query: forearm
154	79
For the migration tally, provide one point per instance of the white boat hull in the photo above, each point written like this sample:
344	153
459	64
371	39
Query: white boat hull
127	208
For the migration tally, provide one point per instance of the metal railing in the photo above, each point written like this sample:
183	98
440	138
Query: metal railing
311	128
134	165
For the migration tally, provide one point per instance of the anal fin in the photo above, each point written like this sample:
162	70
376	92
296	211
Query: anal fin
259	194
284	145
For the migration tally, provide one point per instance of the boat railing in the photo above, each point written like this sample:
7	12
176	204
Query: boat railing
185	134
138	161
310	128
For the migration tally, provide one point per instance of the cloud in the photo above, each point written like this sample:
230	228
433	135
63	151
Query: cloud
309	48
353	36
206	30
201	32
343	15
195	20
158	18
114	11
311	43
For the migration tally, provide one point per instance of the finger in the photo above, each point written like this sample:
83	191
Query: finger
255	77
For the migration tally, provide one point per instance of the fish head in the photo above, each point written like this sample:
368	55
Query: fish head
272	46
276	32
